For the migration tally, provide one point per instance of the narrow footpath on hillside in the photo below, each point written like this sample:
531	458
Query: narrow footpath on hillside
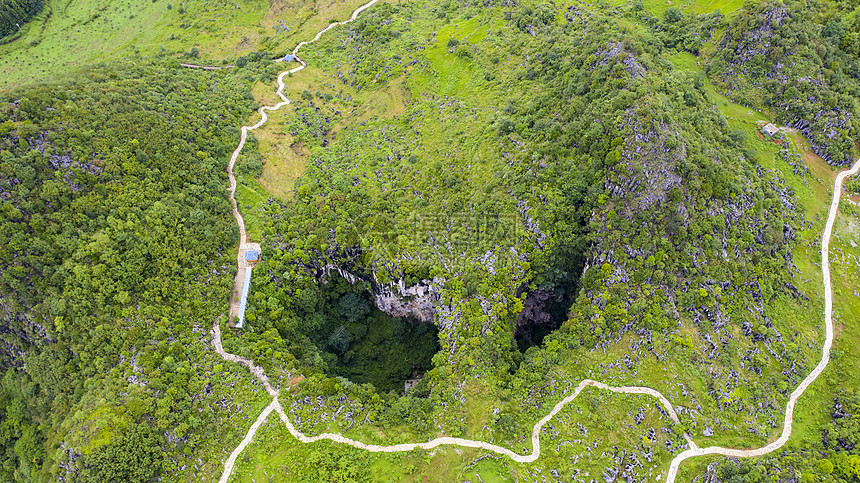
693	450
206	67
825	350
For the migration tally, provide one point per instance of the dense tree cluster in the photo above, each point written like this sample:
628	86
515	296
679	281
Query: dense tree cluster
135	457
15	13
113	205
678	29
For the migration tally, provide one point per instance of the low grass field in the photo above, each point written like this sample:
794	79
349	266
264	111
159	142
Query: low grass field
68	34
728	8
284	158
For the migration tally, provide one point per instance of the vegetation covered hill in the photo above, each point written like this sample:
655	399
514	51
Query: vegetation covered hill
495	201
114	212
638	208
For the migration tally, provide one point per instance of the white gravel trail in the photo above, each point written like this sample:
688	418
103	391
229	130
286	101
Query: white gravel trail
825	350
228	465
527	458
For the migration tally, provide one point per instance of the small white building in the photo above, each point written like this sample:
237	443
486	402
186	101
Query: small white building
770	129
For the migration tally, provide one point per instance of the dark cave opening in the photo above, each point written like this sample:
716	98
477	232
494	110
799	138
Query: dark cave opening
543	312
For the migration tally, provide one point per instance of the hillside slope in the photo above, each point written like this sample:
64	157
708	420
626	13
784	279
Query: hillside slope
466	209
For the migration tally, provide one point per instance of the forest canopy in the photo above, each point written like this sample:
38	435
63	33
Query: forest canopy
113	211
15	13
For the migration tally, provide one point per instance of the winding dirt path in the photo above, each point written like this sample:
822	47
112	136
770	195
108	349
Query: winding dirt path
468	443
275	405
257	371
231	460
825	350
694	450
206	67
260	374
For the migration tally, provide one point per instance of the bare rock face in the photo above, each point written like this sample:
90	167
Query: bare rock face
418	301
19	329
757	41
614	50
832	121
647	166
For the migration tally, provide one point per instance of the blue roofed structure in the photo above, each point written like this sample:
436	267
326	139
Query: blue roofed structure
289	58
252	255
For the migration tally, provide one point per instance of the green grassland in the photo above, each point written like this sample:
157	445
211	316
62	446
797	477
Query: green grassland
250	196
69	34
728	8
